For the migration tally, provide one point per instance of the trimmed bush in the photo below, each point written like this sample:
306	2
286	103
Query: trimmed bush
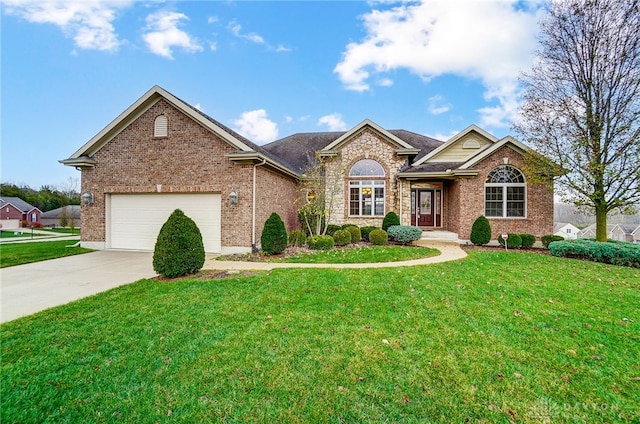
481	231
342	237
514	241
378	237
528	240
179	249
390	219
274	235
614	253
320	242
331	229
404	234
546	240
297	238
356	235
364	231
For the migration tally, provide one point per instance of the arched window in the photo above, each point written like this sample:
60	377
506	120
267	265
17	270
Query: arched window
160	126
366	193
505	193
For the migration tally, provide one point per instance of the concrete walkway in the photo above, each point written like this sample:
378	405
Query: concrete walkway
27	289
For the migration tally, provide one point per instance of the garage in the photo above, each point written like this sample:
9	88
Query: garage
134	220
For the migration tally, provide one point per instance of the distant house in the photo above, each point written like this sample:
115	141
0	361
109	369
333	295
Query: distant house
619	232
15	212
565	230
52	218
635	235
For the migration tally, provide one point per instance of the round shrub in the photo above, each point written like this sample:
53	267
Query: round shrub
342	237
274	235
366	230
332	228
356	235
297	238
390	219
378	237
550	238
179	249
514	241
481	231
404	234
320	242
528	240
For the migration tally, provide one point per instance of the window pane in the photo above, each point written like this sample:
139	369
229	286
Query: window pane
366	200
379	199
366	168
354	201
515	201
505	174
493	201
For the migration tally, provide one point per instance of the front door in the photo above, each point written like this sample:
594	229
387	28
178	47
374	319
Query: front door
425	208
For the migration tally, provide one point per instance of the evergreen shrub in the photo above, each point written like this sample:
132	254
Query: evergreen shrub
332	228
297	238
342	237
404	234
611	252
378	237
390	219
274	235
366	230
481	231
356	235
179	249
528	240
320	242
546	240
514	241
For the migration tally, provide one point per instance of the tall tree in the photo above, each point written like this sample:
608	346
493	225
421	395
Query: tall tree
581	103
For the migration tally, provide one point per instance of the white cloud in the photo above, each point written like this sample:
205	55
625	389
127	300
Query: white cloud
88	23
385	82
333	121
236	29
256	126
280	48
437	105
489	41
212	19
163	34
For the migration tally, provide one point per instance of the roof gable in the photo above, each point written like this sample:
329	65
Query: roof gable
17	203
399	143
488	151
460	147
150	98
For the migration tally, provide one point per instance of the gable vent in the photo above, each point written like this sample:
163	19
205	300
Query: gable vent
160	126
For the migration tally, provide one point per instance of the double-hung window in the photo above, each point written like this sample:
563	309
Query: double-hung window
505	193
366	190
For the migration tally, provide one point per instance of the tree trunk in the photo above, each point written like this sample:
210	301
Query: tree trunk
601	222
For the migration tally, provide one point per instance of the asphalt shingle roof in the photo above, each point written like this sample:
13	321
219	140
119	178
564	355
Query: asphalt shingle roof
17	202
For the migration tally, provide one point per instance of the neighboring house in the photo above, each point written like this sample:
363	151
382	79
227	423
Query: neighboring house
566	230
620	232
635	235
161	154
52	218
15	213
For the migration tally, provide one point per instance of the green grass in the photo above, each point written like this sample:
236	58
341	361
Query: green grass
20	233
493	338
23	253
367	254
63	230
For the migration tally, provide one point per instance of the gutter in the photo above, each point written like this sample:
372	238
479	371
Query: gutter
254	247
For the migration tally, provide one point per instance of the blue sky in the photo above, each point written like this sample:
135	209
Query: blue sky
265	69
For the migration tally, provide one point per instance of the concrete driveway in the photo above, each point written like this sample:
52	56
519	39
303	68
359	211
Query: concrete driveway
27	289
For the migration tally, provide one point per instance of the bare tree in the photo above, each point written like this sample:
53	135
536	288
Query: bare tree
581	103
69	189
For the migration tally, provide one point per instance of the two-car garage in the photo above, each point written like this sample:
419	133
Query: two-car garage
133	221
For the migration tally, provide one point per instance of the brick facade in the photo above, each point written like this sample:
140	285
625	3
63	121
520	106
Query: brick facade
190	159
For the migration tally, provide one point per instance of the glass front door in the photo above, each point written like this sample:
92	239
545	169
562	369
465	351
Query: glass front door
426	207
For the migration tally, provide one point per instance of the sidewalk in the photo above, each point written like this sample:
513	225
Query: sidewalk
43	235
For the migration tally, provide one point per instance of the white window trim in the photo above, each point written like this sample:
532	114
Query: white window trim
504	196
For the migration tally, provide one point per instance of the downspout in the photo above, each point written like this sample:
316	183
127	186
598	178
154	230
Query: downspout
254	248
399	181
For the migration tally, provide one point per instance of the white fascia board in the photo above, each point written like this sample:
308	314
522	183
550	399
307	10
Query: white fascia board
512	142
261	159
373	125
449	175
455	138
141	105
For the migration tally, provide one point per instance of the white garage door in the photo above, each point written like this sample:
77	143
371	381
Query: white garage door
134	220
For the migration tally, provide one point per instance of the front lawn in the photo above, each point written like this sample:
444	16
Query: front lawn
24	232
496	337
24	253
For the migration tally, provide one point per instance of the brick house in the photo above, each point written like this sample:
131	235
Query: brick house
161	154
16	213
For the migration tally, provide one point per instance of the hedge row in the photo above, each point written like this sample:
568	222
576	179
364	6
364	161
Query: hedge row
611	252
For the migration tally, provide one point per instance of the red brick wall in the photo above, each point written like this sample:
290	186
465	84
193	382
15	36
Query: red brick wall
470	202
190	159
12	213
